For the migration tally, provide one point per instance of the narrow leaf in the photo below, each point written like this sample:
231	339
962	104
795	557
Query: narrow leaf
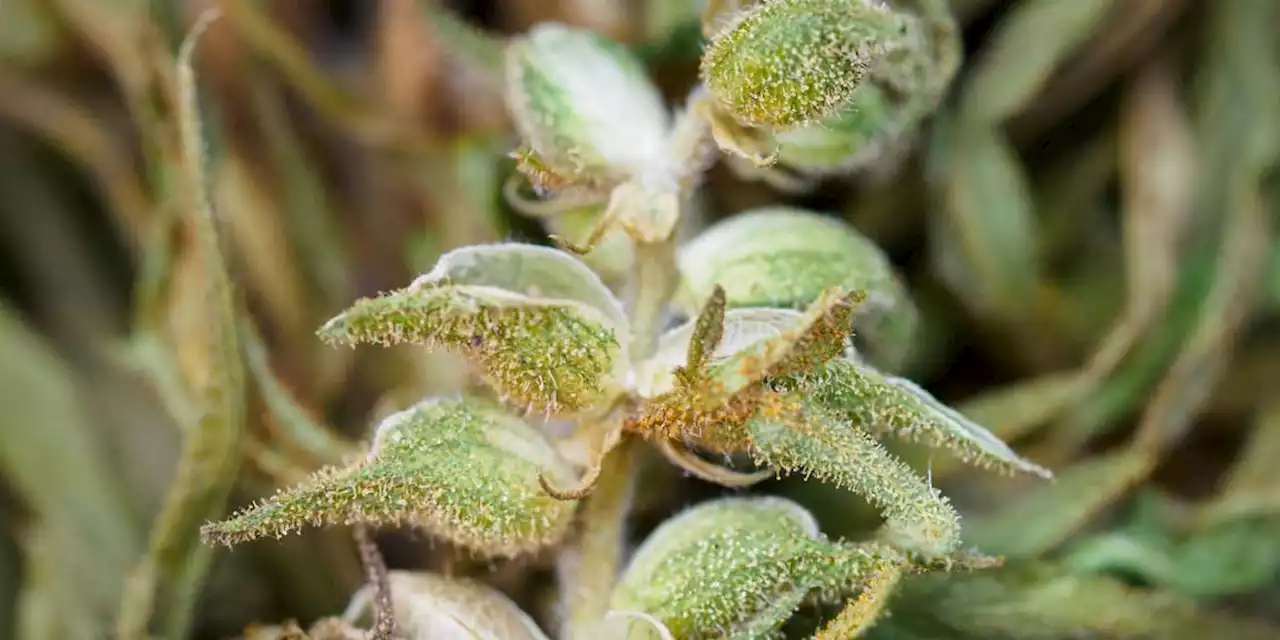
541	327
795	435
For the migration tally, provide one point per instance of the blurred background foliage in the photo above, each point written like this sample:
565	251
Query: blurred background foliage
1088	225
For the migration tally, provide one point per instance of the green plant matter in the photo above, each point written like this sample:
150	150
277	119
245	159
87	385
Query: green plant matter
638	320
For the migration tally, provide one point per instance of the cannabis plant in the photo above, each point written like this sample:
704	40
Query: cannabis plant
769	343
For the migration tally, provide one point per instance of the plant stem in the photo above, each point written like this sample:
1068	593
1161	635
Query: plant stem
590	570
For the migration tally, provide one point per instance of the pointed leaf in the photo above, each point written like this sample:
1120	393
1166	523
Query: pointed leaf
884	404
794	434
738	568
1253	486
540	325
785	257
464	470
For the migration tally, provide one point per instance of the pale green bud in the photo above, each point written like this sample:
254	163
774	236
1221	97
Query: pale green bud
890	405
585	106
541	326
431	607
781	256
900	91
787	63
465	470
739	567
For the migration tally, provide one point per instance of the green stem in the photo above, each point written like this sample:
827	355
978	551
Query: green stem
593	566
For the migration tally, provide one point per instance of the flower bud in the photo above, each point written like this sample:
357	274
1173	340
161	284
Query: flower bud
788	63
585	107
739	567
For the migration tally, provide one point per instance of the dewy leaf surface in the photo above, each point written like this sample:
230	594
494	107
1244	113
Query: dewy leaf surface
785	257
464	470
738	568
885	404
541	327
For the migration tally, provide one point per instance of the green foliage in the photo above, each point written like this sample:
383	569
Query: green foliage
463	470
541	326
943	297
765	555
792	62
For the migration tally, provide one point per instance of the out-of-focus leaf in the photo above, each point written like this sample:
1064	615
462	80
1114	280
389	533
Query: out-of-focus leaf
889	405
1041	601
1013	411
983	240
464	470
176	564
1229	557
87	537
29	34
540	324
1253	487
1047	515
1158	176
1029	43
429	606
785	257
738	567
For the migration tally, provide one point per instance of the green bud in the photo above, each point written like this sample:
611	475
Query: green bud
788	63
585	106
794	434
541	326
464	470
429	606
739	567
781	256
888	405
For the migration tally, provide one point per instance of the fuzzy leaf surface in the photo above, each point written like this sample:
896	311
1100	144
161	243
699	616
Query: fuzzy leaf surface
738	568
542	328
794	434
464	470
